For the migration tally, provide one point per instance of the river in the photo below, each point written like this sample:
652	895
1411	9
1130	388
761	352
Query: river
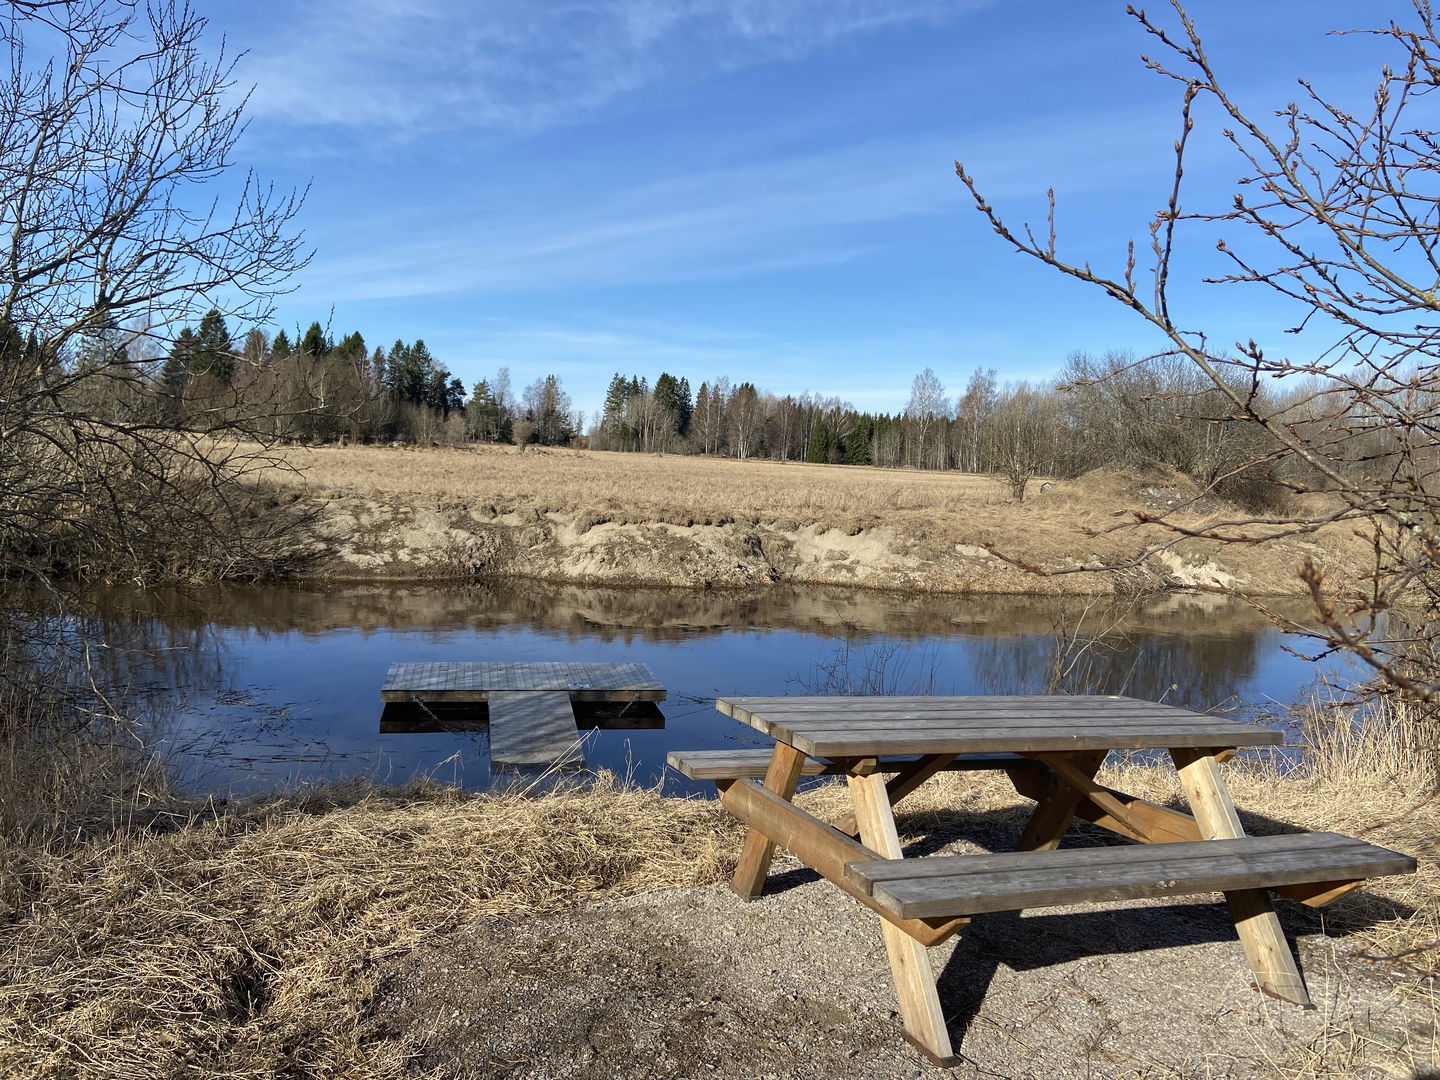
252	688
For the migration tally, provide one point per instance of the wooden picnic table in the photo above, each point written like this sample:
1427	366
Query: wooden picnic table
1051	749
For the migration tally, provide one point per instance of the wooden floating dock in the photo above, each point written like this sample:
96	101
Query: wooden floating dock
531	705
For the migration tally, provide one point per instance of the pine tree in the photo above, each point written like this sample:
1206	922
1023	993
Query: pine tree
483	413
179	364
315	342
212	352
281	348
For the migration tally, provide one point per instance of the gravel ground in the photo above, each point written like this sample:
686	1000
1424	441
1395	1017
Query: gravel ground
696	983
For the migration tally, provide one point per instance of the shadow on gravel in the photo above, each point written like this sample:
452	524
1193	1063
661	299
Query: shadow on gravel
1047	940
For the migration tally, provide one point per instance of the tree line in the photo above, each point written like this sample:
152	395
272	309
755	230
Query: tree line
1100	409
312	389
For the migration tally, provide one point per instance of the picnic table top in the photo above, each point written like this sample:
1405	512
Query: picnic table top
474	681
867	726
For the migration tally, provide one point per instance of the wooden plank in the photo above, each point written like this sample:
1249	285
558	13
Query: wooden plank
909	960
1095	720
822	849
1161	825
736	764
1020	702
780	723
956	707
979	724
531	728
781	778
1082	782
971	884
474	681
888	741
1250	909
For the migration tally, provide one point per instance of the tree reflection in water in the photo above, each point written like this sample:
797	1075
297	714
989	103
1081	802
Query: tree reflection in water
264	685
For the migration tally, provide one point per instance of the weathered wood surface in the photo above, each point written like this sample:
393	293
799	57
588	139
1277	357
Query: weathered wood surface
782	776
737	764
915	989
530	727
821	848
475	681
1161	825
859	726
960	885
1251	910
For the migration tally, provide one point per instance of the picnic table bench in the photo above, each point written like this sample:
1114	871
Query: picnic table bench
1050	748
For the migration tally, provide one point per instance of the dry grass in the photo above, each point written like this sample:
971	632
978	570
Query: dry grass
637	487
244	943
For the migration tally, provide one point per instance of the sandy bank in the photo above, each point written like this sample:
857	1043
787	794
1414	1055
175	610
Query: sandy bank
632	520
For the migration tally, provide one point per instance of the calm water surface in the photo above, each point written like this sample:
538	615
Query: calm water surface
253	688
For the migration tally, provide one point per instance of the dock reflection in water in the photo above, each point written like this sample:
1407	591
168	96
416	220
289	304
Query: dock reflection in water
270	685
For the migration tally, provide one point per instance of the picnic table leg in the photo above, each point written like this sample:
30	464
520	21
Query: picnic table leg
909	960
1054	813
1256	923
781	778
901	784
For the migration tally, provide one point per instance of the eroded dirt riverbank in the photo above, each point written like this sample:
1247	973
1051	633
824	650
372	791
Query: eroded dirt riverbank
630	520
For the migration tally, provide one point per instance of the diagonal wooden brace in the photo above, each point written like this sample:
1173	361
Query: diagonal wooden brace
823	849
1123	821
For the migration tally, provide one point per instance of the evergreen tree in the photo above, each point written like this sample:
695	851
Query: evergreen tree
407	372
351	347
179	365
12	348
212	351
672	399
418	373
455	396
315	342
281	348
256	350
614	429
483	412
547	411
686	408
817	447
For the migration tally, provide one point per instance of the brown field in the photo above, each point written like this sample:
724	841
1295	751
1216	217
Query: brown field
640	487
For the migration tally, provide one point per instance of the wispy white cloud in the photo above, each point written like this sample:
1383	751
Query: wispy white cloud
806	209
426	65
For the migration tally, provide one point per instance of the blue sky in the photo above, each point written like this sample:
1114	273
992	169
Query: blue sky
761	189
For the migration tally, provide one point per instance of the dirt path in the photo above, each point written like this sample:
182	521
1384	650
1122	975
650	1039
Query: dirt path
694	983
